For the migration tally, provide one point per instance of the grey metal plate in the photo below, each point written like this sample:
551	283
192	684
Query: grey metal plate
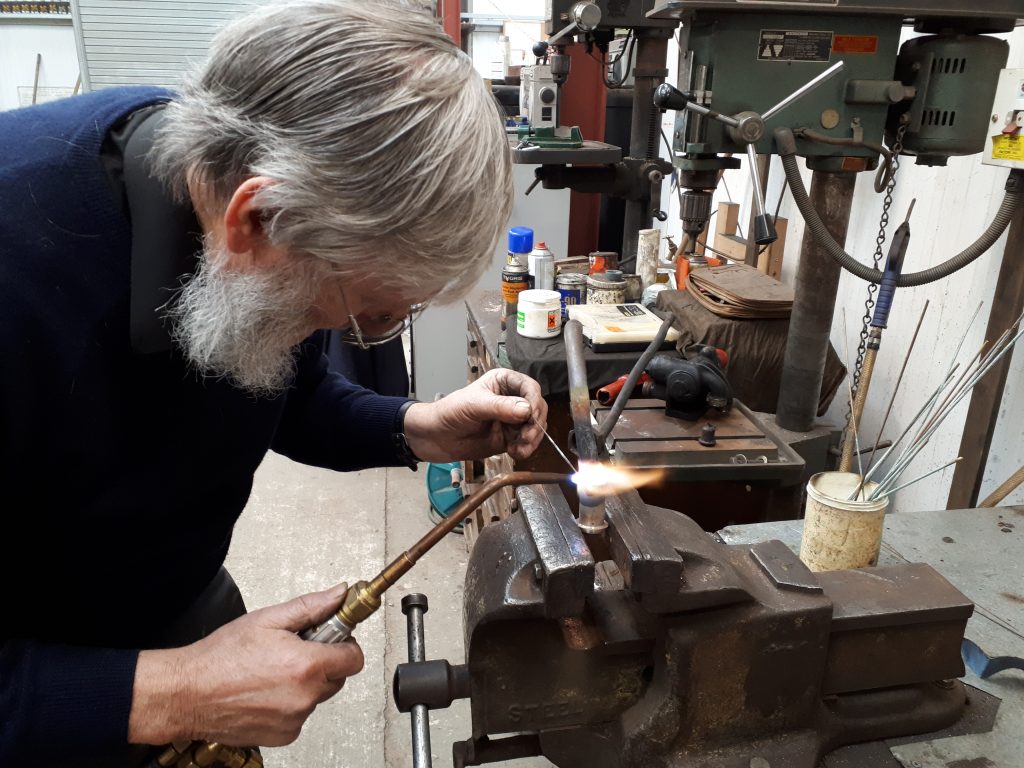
981	552
683	460
591	153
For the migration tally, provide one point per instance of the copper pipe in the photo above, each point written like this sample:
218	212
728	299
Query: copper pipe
363	599
469	505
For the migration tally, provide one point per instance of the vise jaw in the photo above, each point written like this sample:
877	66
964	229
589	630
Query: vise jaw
682	651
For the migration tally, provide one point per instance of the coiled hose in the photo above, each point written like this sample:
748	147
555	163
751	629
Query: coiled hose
786	143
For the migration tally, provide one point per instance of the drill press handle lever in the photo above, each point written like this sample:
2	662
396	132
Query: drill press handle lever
745	128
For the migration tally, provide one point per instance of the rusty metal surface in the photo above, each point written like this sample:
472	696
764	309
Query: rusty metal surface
648	563
895	595
784	568
979	553
978	718
714	654
746	448
566	567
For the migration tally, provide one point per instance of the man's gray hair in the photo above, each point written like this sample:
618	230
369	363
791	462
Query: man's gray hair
387	149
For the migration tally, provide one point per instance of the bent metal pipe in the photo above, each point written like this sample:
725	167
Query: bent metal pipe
360	602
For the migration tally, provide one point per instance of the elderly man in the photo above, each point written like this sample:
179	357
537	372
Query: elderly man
164	260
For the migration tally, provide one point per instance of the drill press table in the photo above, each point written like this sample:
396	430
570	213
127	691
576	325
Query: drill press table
980	552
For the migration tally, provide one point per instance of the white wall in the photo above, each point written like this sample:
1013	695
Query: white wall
19	43
954	204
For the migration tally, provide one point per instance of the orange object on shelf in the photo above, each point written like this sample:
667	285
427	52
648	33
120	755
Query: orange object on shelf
682	271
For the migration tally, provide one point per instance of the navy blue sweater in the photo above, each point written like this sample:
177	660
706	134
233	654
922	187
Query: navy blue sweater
121	473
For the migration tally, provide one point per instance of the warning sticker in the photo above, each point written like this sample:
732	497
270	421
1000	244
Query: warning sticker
855	44
1008	148
794	45
630	310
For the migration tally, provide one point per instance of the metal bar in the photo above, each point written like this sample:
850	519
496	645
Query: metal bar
700	109
803	90
929	403
817	283
753	251
645	132
983	411
579	392
35	82
899	380
917	479
567	29
414	607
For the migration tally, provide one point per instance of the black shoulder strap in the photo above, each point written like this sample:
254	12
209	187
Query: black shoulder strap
166	239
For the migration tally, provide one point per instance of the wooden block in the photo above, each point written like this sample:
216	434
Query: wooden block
733	246
770	262
728	219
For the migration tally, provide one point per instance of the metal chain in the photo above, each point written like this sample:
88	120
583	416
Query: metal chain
883	224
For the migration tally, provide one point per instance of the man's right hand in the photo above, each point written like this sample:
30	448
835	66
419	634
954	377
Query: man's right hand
253	682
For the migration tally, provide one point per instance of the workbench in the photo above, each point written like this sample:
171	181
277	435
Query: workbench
711	503
981	552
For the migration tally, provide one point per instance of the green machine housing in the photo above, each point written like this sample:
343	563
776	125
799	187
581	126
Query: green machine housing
754	61
750	55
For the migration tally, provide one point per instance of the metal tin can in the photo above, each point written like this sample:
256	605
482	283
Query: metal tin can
573	289
634	287
601	290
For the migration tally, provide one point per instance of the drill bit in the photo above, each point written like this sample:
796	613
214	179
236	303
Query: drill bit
553	443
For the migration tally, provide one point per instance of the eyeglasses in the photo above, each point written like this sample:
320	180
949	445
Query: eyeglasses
354	334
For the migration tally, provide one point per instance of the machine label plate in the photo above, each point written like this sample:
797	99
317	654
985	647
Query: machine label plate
794	45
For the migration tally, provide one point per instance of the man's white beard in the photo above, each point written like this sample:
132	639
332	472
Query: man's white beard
244	325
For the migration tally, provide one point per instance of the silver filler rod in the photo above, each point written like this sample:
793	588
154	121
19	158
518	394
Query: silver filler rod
803	90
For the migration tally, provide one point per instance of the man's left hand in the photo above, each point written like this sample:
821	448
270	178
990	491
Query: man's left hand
499	412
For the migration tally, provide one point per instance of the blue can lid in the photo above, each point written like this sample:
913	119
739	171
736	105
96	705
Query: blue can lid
520	240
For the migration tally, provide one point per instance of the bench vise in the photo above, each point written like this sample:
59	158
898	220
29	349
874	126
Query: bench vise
681	651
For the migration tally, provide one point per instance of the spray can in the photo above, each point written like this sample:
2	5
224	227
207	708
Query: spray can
514	280
542	268
520	243
515	276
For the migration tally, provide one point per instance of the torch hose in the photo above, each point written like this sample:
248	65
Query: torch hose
363	599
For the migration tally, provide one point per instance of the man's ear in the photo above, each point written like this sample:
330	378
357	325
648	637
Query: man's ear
244	234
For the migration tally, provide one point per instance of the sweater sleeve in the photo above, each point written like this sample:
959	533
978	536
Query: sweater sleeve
330	422
57	702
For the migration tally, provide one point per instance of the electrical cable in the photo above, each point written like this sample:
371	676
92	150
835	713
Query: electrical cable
627	51
1012	201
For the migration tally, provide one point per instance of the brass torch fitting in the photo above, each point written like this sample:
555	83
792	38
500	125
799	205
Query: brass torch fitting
361	602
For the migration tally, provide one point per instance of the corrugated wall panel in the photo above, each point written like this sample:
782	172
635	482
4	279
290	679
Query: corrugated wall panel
146	42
